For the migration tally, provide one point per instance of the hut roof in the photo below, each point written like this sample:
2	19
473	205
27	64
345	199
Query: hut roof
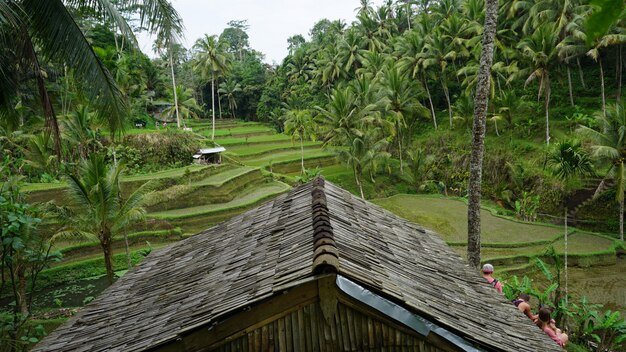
269	249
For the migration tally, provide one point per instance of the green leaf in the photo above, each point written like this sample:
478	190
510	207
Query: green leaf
609	11
33	340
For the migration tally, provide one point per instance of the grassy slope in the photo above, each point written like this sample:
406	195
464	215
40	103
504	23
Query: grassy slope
222	177
248	197
449	218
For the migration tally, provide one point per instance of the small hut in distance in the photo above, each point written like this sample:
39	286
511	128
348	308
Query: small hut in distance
209	155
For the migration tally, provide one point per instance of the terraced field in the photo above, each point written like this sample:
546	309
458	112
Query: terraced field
195	197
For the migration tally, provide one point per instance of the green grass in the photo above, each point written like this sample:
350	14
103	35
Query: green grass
165	173
449	218
248	197
35	187
578	243
221	178
289	155
238	130
253	139
245	150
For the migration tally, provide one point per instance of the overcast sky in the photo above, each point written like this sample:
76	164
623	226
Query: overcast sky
271	21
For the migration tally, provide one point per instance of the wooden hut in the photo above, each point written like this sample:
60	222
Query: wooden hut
315	269
209	155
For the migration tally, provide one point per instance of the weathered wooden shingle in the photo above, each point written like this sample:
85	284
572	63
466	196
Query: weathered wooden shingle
266	250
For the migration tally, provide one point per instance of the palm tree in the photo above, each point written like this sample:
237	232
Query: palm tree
98	209
53	26
400	98
609	146
299	123
437	53
187	105
211	61
478	135
540	49
409	48
230	88
568	160
344	122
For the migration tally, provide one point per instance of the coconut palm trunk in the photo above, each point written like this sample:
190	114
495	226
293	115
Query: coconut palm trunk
430	101
619	73
580	73
447	95
547	106
213	105
302	153
569	85
478	135
105	243
174	89
602	87
621	219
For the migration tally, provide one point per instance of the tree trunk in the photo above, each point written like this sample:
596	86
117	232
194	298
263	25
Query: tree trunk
580	73
447	94
51	120
22	305
547	107
602	87
358	182
174	87
565	254
129	262
619	73
400	150
219	103
105	243
48	110
478	136
432	107
495	124
213	105
569	84
302	153
621	219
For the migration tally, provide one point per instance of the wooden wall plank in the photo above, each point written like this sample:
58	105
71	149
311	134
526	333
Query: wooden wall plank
306	330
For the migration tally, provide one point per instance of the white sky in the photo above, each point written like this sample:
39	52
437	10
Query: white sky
271	21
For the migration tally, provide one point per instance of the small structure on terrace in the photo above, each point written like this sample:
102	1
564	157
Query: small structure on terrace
316	269
209	155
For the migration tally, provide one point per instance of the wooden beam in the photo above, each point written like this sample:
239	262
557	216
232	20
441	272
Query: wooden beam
260	314
328	297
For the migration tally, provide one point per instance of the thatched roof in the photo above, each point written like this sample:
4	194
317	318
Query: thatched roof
261	253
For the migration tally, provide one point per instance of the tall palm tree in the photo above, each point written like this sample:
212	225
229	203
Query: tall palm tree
211	61
609	146
98	209
299	123
400	98
438	51
540	50
344	123
187	105
230	88
53	27
478	134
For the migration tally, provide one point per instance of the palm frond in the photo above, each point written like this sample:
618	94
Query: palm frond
60	37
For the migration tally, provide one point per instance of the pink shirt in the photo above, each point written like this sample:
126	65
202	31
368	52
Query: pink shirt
498	285
548	330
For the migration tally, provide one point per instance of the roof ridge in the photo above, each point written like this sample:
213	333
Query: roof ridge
325	253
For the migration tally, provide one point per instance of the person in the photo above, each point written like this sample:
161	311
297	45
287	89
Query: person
522	304
487	272
545	323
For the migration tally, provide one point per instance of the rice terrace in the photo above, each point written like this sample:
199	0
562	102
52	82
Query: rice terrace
443	175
